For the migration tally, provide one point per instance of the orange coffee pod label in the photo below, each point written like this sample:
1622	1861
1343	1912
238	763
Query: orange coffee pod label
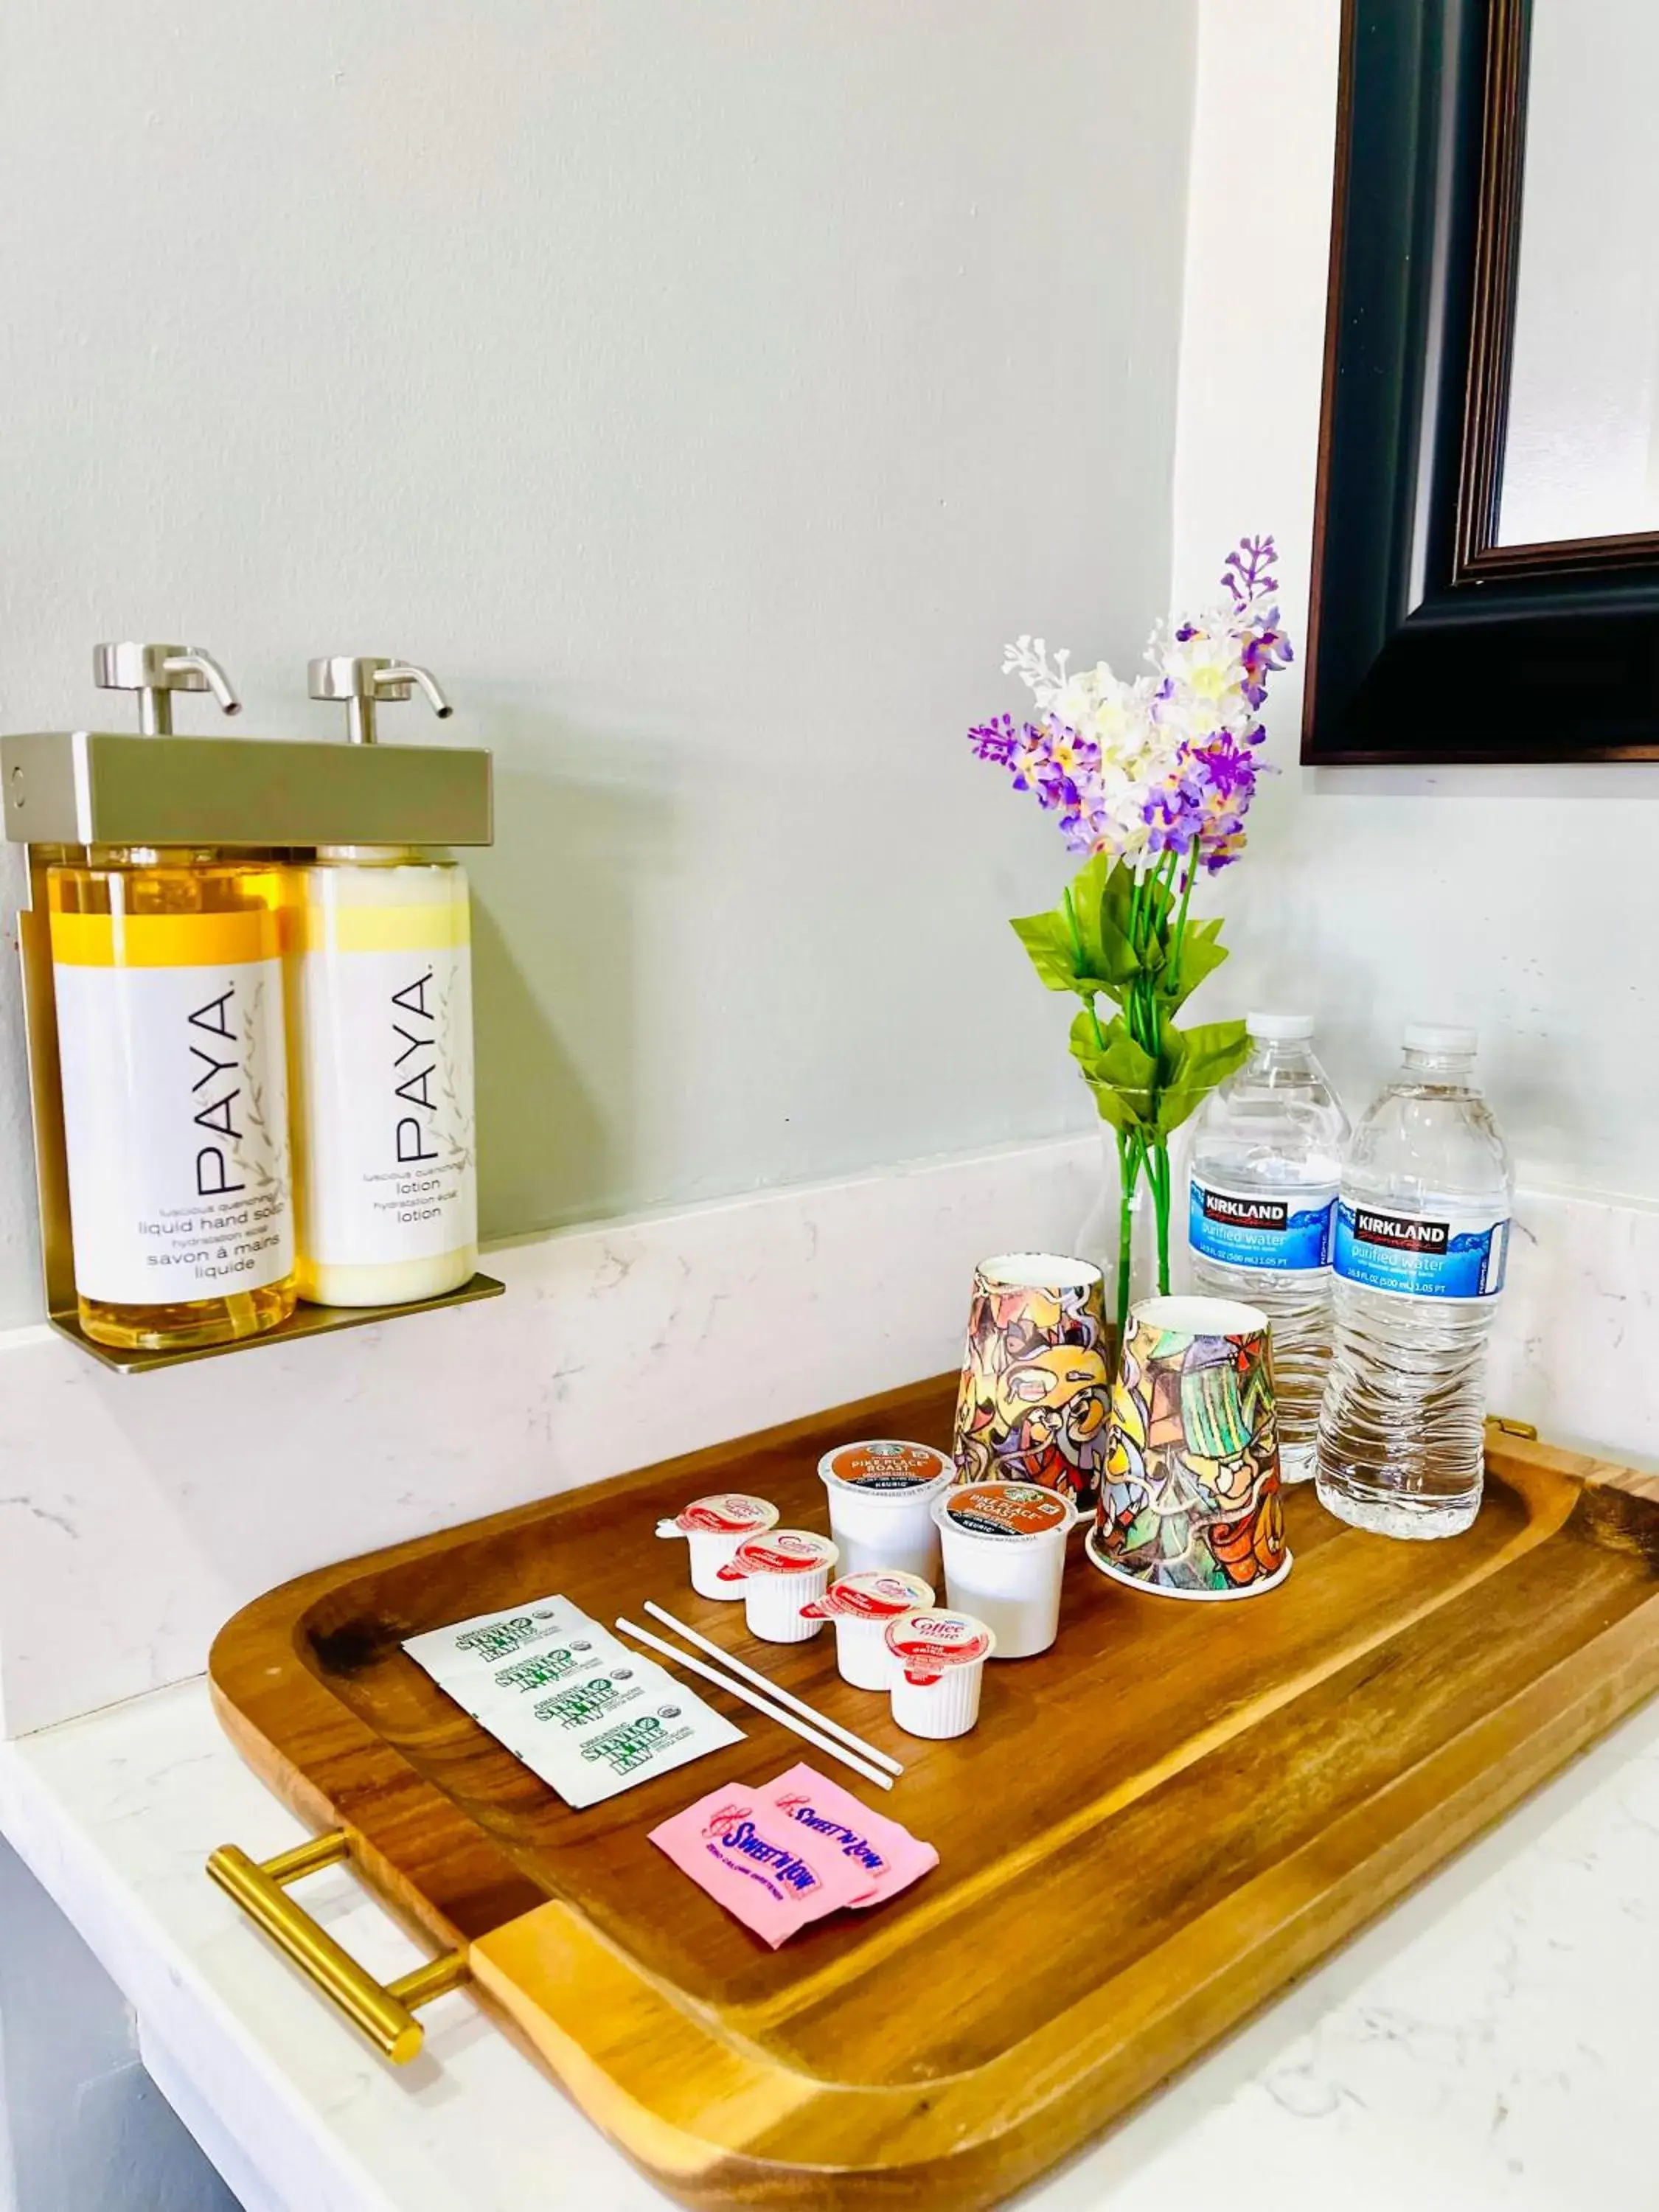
1006	1508
884	1463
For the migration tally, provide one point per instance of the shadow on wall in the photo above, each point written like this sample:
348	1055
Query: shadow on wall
555	973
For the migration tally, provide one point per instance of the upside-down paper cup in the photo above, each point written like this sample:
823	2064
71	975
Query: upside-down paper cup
712	1529
1036	1380
1190	1506
1005	1559
881	1496
861	1605
939	1666
779	1573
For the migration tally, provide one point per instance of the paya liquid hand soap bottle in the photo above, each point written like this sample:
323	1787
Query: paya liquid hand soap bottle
168	973
379	951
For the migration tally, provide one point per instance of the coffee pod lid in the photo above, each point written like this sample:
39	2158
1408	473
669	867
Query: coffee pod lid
778	1551
733	1513
1013	1512
884	1463
931	1640
875	1594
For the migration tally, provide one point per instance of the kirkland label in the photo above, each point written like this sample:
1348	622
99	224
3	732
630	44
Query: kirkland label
1456	1254
1245	1229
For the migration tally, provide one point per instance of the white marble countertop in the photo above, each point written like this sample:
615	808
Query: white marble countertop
1489	2044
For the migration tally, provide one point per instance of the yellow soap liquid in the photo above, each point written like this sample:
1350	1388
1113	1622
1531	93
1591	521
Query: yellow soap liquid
136	883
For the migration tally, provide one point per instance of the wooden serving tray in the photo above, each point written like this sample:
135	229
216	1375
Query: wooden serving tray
1155	1826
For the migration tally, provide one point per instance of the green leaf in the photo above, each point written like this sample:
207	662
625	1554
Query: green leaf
1122	1077
1049	946
1201	953
1208	1055
1094	907
1115	1110
1175	1105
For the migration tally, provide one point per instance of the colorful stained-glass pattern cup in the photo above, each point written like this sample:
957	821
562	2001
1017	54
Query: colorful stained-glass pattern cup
1189	1502
1035	1381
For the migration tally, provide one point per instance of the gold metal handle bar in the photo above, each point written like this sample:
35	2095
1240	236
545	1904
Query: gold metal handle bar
384	2012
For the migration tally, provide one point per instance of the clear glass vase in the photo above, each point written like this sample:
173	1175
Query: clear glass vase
1097	1240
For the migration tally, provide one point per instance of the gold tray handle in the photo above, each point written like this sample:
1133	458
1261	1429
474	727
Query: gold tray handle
384	2012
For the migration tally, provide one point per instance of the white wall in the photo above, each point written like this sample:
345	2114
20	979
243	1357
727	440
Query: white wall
1519	899
706	393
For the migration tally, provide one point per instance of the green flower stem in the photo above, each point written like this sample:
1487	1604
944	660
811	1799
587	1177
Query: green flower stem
1179	936
1128	1173
1077	952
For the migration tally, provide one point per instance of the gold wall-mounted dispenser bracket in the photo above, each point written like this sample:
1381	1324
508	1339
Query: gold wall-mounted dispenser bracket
383	2012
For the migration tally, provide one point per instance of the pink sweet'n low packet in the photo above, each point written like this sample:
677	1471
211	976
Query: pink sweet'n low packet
790	1850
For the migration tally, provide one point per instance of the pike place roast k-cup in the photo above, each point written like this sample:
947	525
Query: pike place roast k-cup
1005	1559
881	1495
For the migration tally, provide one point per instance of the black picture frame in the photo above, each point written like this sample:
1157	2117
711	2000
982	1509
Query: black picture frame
1428	641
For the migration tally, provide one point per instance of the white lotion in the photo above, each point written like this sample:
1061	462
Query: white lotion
379	975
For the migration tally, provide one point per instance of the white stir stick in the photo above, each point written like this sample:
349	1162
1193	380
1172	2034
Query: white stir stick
736	1689
751	1675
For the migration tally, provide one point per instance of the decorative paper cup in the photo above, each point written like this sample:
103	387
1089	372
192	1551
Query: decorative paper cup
712	1529
1190	1506
1005	1559
861	1605
938	1665
881	1496
778	1573
1035	1381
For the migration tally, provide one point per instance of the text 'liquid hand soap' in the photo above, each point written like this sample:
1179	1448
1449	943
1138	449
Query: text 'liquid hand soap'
379	956
167	974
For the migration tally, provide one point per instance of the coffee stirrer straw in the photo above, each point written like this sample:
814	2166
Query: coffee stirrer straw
764	1682
736	1689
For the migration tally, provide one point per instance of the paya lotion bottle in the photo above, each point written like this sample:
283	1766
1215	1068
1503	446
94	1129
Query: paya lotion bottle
378	954
168	973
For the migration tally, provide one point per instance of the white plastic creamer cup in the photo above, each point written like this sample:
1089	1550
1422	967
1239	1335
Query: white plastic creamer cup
881	1504
861	1605
712	1529
778	1573
1004	1557
938	1664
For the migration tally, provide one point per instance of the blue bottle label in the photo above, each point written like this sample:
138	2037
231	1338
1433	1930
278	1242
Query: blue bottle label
1453	1253
1244	1228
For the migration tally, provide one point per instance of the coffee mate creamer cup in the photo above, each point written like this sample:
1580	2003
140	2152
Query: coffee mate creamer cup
939	1660
713	1527
861	1606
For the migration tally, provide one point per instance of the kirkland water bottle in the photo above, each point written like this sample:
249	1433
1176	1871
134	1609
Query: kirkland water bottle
1422	1236
1261	1207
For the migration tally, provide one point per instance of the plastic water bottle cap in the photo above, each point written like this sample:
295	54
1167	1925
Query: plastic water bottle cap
1280	1028
1444	1039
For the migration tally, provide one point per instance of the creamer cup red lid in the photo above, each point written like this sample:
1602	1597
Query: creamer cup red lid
885	1464
876	1594
731	1513
929	1641
780	1551
1014	1511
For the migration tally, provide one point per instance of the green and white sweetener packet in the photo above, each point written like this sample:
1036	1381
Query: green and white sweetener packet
571	1702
